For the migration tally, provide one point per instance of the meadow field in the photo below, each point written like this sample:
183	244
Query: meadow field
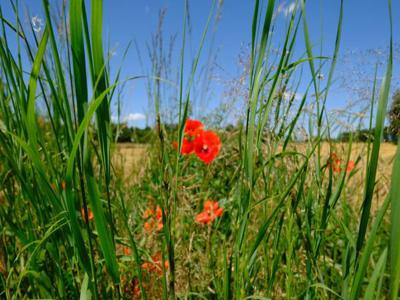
268	203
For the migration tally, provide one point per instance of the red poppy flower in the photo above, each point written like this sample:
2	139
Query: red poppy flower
148	213
210	213
131	288
336	165
155	266
147	226
90	213
207	146
213	208
187	147
127	251
158	213
350	165
136	288
193	127
203	218
154	219
335	162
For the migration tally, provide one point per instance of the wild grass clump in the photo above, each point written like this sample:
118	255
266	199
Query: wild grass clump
249	213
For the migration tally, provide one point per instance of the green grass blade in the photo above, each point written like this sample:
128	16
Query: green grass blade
78	57
395	229
378	272
373	163
366	254
31	116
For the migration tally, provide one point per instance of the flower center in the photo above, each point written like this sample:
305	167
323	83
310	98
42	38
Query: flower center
205	148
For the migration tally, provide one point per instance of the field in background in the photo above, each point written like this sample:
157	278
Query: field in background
131	156
131	160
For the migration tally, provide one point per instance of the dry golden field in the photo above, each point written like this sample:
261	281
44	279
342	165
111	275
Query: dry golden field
129	155
131	159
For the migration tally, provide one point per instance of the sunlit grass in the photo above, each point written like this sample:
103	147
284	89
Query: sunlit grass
209	213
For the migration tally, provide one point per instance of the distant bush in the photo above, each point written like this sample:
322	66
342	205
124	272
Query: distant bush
364	135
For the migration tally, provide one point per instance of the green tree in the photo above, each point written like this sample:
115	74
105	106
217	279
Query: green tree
394	116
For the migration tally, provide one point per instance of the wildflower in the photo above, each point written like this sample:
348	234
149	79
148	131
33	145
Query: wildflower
155	266
350	166
210	213
131	288
191	131
207	146
135	288
148	213
193	127
90	213
63	185
154	219
147	226
127	251
187	146
53	186
337	164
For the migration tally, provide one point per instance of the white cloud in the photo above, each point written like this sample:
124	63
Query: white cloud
134	117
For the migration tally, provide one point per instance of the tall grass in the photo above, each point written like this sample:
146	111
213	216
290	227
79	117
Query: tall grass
289	229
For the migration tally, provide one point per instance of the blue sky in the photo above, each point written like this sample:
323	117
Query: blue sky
365	26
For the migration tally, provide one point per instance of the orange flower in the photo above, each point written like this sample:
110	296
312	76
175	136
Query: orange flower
192	130
124	250
337	164
350	166
155	266
187	147
148	213
127	251
158	213
193	127
53	186
154	219
147	226
207	146
203	218
131	288
210	213
136	288
63	185
90	213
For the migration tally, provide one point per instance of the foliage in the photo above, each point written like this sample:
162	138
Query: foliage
263	216
394	116
365	135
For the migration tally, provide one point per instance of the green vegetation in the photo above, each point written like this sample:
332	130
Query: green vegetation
394	116
294	223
